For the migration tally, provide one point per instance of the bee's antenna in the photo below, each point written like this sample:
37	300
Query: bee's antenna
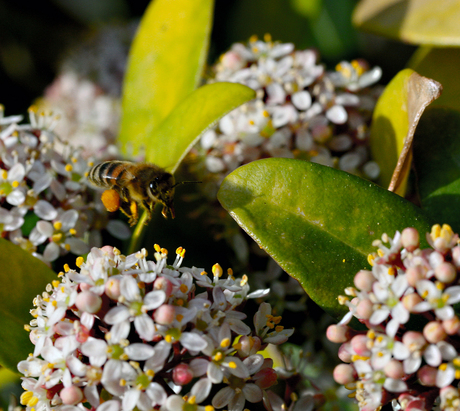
187	182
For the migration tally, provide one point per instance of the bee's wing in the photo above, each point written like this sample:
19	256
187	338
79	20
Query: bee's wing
125	177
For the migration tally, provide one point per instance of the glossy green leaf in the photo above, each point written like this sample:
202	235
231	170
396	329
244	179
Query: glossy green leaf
165	65
411	21
191	118
23	277
437	164
318	223
440	64
394	121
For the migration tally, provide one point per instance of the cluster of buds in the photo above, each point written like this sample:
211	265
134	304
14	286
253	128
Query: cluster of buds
410	353
123	333
45	204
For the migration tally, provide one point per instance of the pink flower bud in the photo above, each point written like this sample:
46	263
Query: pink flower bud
182	374
345	353
165	314
394	369
415	274
427	375
344	374
85	286
364	309
364	279
411	300
89	302
248	345
338	333
434	332
456	256
164	284
410	239
414	339
452	325
359	345
112	288
71	395
445	272
265	378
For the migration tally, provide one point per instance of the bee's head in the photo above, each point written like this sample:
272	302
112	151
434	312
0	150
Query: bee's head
161	189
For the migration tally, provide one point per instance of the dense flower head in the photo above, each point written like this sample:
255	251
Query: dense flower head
301	110
410	354
123	332
46	206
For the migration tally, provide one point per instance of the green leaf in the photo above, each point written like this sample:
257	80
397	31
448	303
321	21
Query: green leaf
318	223
440	64
165	65
437	164
394	121
191	118
23	277
411	21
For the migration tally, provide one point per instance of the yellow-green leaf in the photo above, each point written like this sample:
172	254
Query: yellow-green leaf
23	277
165	65
318	223
395	118
172	140
428	22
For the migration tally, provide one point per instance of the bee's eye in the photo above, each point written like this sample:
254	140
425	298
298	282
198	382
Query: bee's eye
154	185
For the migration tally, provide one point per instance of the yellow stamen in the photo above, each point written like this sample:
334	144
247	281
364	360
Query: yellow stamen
192	400
67	247
157	248
15	184
370	259
168	339
232	365
443	367
4	174
179	317
68	168
55	283
183	288
72	231
79	262
218	356
225	342
66	268
56	237
217	270
279	328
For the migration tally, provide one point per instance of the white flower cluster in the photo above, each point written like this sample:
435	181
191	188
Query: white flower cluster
411	352
123	333
45	205
300	111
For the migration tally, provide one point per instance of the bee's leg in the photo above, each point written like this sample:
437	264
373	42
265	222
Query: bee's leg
149	207
130	210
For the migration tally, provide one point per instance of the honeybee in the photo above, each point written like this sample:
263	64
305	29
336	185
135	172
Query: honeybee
144	184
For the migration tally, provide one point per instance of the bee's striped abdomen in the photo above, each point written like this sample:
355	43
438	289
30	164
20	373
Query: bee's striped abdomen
108	173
